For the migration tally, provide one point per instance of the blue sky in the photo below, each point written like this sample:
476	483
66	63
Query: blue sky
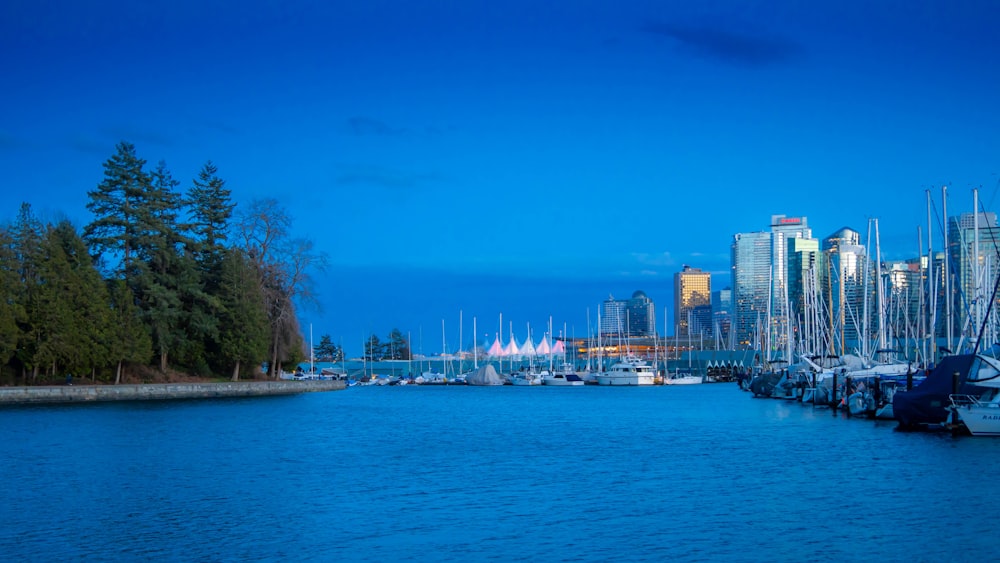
512	157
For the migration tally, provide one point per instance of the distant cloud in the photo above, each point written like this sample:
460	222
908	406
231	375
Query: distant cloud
386	178
361	126
733	47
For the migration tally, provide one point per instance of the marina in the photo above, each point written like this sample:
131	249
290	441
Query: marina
442	473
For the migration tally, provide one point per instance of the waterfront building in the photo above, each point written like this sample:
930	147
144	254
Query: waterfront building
803	274
722	316
751	277
784	230
973	250
613	316
842	285
905	299
692	289
641	315
628	317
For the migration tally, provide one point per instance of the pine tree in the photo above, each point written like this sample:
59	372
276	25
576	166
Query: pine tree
211	208
115	204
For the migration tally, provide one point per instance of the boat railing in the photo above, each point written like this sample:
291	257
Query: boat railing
969	401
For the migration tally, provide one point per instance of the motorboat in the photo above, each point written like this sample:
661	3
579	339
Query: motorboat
567	379
980	414
526	378
563	375
629	370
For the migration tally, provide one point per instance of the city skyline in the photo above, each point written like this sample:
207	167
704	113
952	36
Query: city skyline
521	160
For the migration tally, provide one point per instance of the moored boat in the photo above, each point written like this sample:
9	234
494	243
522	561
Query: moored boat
629	370
680	377
980	414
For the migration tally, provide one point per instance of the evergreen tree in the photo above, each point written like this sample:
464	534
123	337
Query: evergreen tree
128	340
244	334
327	351
115	204
374	349
70	305
398	346
211	208
27	235
9	305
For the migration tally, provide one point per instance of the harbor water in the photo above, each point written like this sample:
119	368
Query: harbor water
446	473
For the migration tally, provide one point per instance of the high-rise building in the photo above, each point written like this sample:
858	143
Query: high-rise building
842	284
641	315
803	275
751	274
783	231
974	253
628	317
613	316
722	315
692	289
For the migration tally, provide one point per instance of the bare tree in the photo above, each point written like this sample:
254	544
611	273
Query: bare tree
263	231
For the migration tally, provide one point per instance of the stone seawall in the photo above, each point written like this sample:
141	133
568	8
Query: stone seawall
159	391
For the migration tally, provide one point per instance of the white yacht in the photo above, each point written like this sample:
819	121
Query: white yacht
563	375
627	371
980	415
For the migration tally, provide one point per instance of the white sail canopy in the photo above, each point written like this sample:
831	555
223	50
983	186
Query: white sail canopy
527	349
543	348
558	347
511	349
496	350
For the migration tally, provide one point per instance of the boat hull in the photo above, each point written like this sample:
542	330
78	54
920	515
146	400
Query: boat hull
625	380
980	420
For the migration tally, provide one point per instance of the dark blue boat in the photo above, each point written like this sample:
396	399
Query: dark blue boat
927	403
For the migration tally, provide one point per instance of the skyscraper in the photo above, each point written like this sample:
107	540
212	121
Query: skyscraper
843	288
628	317
783	231
722	315
974	253
751	273
692	289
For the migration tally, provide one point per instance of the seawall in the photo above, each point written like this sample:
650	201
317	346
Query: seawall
159	391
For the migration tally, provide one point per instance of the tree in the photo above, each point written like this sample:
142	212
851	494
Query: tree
327	351
244	328
128	340
398	346
70	307
166	282
9	305
26	235
211	208
374	349
284	266
115	203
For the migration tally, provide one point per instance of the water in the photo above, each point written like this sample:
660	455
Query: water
692	473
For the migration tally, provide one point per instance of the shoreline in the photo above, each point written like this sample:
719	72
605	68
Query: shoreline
56	394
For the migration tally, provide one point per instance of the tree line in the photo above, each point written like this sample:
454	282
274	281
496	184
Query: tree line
160	279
